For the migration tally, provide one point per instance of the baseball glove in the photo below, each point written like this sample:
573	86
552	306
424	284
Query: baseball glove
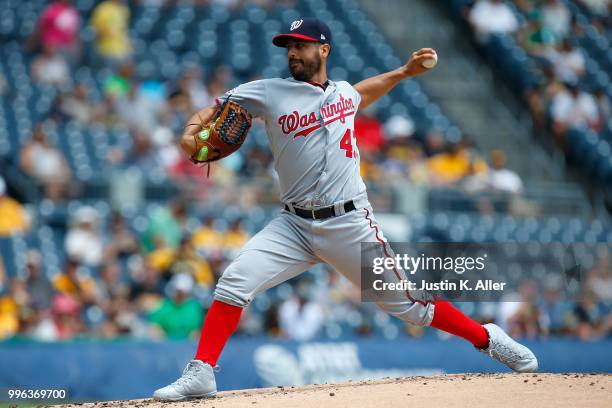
223	135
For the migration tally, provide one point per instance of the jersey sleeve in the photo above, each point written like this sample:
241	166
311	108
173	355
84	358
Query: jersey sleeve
251	96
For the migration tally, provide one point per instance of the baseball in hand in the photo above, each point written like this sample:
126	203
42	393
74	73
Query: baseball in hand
430	62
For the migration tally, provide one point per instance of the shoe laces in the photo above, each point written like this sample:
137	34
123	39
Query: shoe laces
190	371
503	352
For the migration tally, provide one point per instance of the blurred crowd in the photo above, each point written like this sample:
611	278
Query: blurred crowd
549	34
538	310
154	111
115	282
393	151
159	284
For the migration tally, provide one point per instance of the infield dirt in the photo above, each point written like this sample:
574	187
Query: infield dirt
448	391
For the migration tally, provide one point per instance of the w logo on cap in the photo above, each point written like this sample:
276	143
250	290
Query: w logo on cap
295	24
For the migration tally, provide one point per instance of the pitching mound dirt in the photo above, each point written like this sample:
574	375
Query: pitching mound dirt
457	390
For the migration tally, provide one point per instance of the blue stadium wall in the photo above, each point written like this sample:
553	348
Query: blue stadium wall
131	369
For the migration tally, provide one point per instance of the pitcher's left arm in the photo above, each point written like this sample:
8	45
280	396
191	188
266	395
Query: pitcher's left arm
374	88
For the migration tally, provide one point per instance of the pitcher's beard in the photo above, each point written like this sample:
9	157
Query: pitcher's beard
305	71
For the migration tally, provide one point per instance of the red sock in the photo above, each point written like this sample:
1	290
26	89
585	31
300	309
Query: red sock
451	320
221	321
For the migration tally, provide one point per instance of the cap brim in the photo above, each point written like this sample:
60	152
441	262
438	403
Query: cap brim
282	39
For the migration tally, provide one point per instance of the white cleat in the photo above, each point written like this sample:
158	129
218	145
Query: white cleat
507	351
197	381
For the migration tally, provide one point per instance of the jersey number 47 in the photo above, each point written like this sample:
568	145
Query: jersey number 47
346	144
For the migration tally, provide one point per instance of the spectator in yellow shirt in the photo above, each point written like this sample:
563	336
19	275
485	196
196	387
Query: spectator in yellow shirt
235	237
13	307
187	261
9	317
13	218
451	166
70	283
110	21
207	238
170	262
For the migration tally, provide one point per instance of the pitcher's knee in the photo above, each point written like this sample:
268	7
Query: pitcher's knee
231	297
420	314
235	287
232	293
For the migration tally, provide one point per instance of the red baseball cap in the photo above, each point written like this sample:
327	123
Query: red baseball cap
308	29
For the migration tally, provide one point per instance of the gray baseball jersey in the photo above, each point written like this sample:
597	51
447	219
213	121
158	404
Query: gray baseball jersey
311	134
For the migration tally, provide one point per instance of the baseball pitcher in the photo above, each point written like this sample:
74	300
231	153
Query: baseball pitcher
326	214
